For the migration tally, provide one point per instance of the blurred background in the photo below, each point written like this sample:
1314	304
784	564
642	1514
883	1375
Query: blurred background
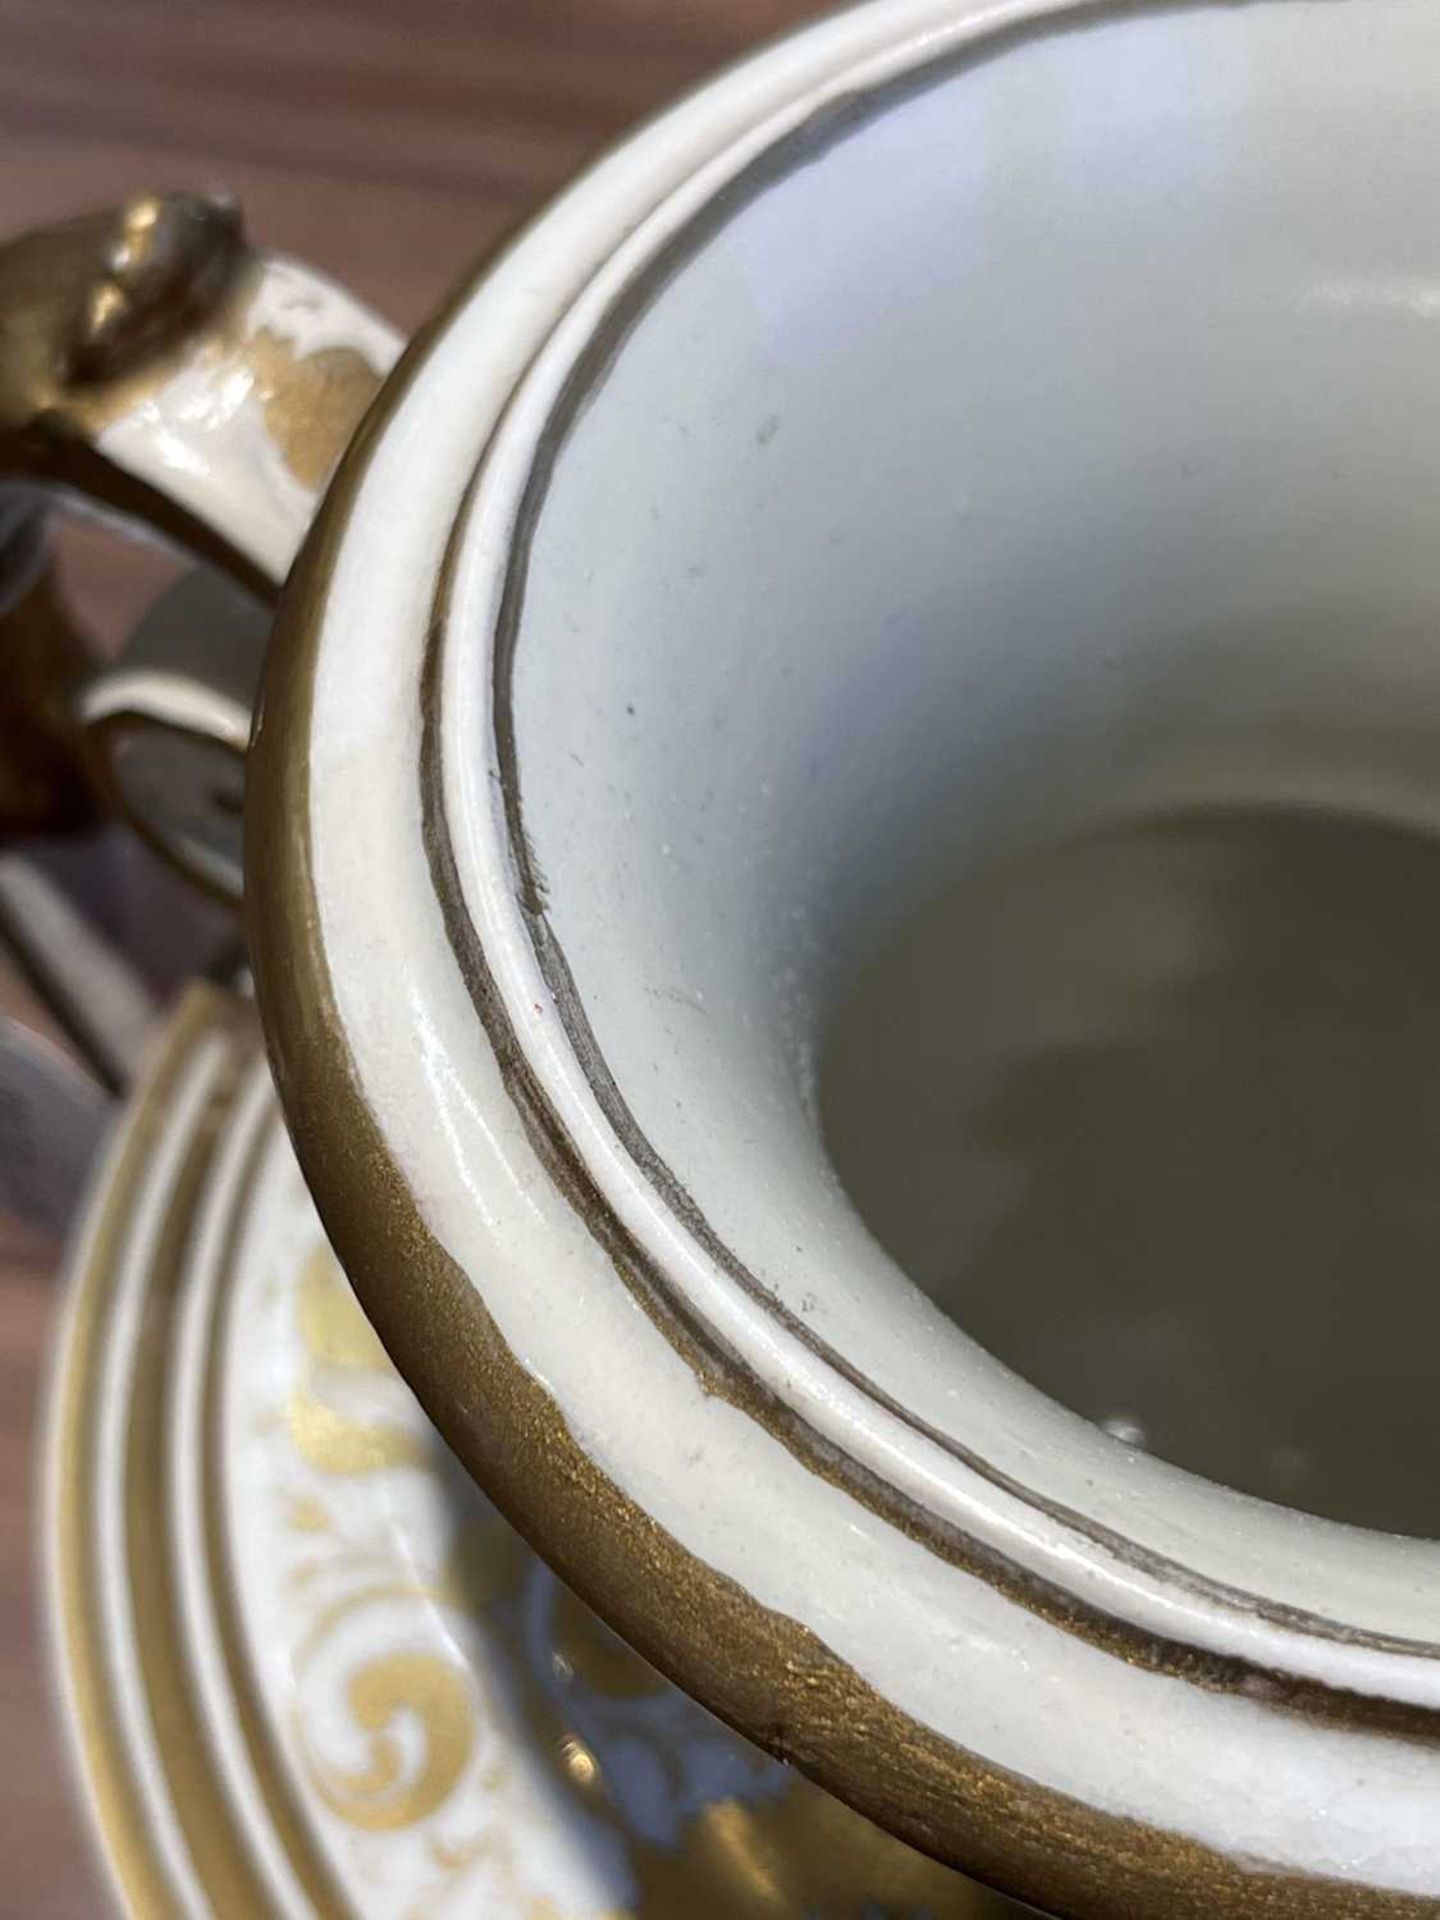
391	146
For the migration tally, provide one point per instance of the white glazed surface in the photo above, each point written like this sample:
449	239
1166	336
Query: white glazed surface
343	1515
120	1622
363	1557
400	1711
683	882
240	430
203	437
1254	1781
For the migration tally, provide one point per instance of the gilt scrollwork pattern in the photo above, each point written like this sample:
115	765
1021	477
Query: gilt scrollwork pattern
469	1736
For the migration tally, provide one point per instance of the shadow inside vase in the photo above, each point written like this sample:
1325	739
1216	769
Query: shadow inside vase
1154	1114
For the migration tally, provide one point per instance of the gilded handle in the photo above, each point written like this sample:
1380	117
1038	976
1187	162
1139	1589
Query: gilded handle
156	365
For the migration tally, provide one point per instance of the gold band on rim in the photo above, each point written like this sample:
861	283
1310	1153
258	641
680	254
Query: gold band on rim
75	1578
722	1371
764	1674
303	1853
213	1836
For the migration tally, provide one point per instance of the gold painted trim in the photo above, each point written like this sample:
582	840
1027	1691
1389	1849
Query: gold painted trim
98	316
298	1841
98	1745
718	1367
212	1835
762	1673
99	310
215	1841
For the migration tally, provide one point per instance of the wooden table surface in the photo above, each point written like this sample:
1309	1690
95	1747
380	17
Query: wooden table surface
390	144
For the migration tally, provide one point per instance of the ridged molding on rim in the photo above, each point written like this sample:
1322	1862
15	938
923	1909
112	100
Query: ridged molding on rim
498	1259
